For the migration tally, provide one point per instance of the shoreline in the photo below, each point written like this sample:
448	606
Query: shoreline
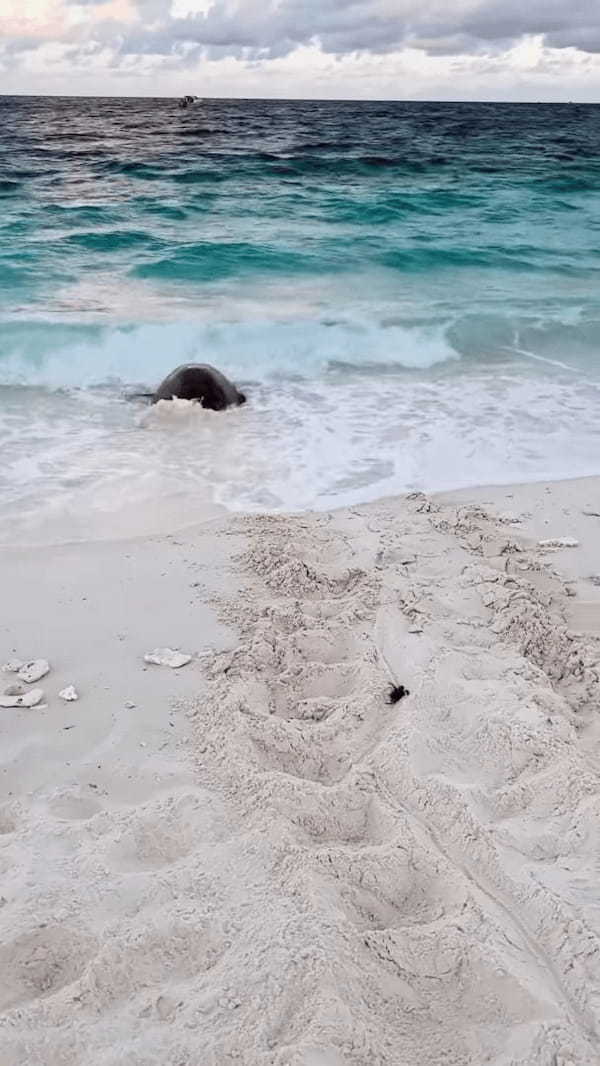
263	862
492	493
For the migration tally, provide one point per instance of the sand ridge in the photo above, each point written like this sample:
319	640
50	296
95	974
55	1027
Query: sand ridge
440	848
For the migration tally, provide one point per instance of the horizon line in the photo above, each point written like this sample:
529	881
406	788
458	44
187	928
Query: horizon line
294	99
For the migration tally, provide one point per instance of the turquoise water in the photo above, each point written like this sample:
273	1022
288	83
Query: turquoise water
409	293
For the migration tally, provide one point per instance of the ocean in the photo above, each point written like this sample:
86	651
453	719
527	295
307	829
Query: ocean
409	293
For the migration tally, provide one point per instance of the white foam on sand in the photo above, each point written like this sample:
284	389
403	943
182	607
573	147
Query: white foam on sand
263	861
80	466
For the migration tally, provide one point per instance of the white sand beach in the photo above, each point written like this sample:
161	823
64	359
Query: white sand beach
257	859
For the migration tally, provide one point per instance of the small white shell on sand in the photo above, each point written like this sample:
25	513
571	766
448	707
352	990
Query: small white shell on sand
69	694
34	670
559	542
14	690
167	657
30	699
12	666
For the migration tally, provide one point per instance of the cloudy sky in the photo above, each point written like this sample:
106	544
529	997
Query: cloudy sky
369	49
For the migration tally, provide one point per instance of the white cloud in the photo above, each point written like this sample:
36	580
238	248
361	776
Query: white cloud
539	49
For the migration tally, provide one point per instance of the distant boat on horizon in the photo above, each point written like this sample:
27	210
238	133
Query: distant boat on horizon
188	101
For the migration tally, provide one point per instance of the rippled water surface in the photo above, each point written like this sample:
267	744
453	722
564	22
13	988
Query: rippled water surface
410	294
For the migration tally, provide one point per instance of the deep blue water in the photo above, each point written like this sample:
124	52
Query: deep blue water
410	292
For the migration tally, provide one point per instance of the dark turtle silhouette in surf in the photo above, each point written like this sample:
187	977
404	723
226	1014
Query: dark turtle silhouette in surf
200	382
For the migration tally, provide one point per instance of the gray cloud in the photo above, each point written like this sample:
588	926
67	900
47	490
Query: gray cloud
257	29
251	28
